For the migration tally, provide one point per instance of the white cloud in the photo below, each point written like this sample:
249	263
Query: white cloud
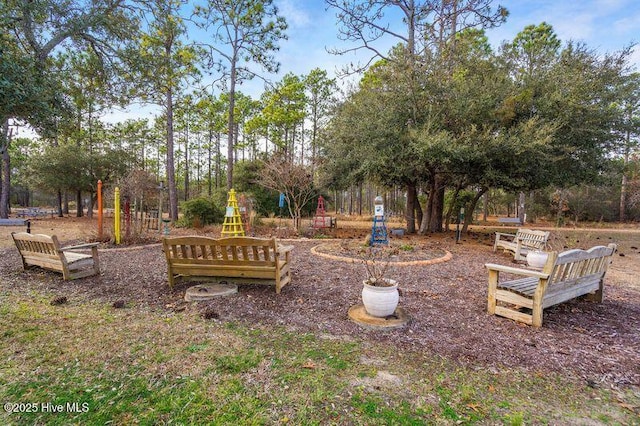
296	16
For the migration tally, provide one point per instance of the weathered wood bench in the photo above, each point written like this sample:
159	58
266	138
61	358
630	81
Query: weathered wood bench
237	259
13	222
565	276
45	251
34	212
521	242
510	220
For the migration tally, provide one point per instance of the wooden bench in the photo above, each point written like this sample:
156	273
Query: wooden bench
13	222
565	276
239	259
45	251
509	220
34	212
521	242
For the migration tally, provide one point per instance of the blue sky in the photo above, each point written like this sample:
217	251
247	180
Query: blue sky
603	25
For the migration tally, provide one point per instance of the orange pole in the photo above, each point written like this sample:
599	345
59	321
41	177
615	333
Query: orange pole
100	210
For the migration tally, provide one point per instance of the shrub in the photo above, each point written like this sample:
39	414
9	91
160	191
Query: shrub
202	211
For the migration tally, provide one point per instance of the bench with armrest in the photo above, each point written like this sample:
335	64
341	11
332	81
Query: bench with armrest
521	242
239	259
564	276
45	251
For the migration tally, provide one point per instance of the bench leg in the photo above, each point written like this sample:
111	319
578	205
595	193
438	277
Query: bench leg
536	316
96	260
491	298
597	296
171	278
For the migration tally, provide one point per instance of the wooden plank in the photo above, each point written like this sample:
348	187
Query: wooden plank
513	298
514	315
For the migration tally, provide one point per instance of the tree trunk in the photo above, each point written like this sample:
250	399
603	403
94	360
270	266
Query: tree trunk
186	163
437	206
65	203
469	209
5	183
624	183
231	122
171	169
5	170
90	206
418	210
623	197
60	213
412	200
79	206
485	207
521	207
426	217
447	216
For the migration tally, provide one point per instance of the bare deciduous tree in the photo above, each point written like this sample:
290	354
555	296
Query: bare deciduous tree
293	180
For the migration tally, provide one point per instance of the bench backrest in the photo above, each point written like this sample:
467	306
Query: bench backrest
221	251
573	265
39	245
532	239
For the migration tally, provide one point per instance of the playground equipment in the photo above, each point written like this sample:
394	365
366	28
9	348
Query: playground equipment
232	226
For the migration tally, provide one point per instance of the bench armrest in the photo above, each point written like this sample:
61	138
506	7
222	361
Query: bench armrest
516	271
80	246
503	234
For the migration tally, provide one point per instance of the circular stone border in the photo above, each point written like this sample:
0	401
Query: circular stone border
202	292
359	315
447	257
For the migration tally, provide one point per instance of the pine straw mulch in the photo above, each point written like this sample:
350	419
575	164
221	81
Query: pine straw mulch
596	343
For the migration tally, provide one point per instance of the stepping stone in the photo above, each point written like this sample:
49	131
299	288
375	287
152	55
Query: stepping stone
359	314
202	292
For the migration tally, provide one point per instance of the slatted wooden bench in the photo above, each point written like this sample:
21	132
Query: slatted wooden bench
45	251
509	220
236	259
565	276
13	222
521	242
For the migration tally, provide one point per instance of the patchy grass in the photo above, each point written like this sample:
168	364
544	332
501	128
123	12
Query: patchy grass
101	365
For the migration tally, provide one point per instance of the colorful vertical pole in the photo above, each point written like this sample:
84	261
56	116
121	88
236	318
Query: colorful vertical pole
100	210
116	207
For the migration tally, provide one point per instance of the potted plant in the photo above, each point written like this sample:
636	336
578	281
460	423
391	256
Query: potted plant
537	258
380	294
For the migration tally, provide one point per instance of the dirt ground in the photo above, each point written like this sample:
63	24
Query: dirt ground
596	343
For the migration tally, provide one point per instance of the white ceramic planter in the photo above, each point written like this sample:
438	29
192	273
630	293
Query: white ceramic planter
380	301
537	259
